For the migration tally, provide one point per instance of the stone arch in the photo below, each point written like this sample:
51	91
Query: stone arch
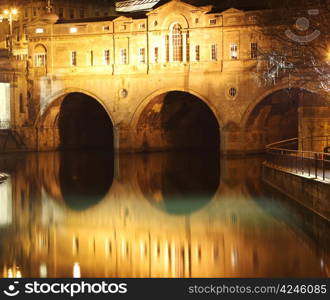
51	129
143	104
157	126
56	100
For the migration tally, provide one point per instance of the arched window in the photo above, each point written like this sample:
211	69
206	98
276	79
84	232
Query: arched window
177	42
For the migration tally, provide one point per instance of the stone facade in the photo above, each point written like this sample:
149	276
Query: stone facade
126	63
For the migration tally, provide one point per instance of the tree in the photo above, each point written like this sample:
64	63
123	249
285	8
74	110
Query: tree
298	48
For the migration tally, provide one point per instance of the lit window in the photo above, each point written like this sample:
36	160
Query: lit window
254	50
233	51
142	55
40	60
177	42
156	54
214	52
213	22
123	56
73	29
73	58
39	30
197	53
107	57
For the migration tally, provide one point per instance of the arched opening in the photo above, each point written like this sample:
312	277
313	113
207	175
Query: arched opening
40	56
273	119
177	121
84	124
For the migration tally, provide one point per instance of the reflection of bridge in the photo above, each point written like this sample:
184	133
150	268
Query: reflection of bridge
124	234
150	92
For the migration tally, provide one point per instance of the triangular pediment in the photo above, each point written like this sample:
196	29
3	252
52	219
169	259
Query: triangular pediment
232	11
122	19
179	3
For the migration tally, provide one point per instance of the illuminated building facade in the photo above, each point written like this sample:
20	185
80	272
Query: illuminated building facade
131	64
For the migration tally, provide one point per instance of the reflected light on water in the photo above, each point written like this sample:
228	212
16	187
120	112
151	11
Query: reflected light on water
76	270
164	215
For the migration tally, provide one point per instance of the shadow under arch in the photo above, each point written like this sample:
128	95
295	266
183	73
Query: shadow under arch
176	119
79	119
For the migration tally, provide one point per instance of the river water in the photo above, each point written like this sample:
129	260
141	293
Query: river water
93	214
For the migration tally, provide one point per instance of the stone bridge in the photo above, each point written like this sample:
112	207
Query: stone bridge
180	77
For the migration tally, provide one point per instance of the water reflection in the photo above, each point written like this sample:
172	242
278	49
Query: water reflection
157	215
180	183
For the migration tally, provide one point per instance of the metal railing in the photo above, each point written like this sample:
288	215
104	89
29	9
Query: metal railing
297	156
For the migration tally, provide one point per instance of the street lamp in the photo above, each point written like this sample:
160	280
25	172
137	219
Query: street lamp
9	15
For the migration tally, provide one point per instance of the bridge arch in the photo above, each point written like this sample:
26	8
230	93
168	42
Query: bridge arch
274	115
72	115
157	122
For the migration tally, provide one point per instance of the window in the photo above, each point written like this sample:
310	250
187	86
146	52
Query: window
233	51
39	30
71	13
34	11
142	26
167	48
123	27
26	13
232	92
106	28
177	42
40	60
21	104
61	12
197	53
213	22
254	50
123	56
82	13
142	55
156	55
97	13
106	57
73	58
92	58
196	21
214	52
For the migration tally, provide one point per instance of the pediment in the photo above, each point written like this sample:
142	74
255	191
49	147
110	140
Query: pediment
180	4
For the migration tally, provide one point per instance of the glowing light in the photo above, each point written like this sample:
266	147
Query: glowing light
43	270
10	273
73	29
6	12
39	30
76	270
18	274
14	11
